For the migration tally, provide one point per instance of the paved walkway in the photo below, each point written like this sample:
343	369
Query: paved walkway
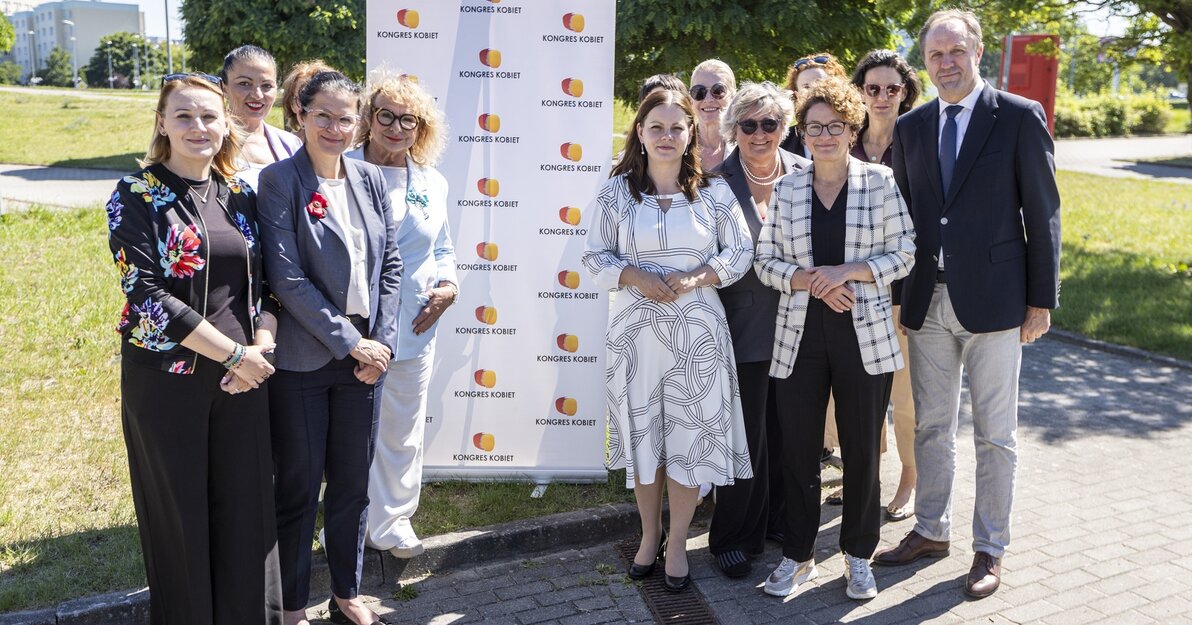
1101	528
63	187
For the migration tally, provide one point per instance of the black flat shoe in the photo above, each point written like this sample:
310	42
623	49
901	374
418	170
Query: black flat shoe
678	584
335	615
642	571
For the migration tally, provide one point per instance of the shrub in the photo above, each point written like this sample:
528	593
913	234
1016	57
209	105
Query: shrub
1152	112
1107	115
10	73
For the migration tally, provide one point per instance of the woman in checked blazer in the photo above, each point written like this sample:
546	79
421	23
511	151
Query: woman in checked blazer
838	235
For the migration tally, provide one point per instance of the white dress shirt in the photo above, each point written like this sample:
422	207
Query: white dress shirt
962	118
343	210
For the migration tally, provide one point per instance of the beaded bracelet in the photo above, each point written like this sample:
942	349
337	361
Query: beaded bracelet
233	360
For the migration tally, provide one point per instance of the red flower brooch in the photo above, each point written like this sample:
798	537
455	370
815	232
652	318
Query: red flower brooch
318	206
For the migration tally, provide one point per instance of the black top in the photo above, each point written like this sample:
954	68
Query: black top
227	266
827	229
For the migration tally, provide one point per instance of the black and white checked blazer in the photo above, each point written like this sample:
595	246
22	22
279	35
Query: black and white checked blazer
877	230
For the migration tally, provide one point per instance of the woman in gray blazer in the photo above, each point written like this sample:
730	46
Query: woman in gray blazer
330	246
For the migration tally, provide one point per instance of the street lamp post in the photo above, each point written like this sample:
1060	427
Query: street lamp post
136	67
75	51
169	48
111	78
32	55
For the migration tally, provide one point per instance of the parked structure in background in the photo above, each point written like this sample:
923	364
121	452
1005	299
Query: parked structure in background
40	28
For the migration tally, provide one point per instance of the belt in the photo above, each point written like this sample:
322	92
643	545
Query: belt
939	277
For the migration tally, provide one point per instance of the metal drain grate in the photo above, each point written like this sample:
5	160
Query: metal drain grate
672	608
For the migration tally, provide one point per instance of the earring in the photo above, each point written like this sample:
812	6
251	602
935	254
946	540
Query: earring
643	148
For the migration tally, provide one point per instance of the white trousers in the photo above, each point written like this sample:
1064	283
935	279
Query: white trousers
395	479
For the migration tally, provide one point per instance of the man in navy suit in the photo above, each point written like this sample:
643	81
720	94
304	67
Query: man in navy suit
976	167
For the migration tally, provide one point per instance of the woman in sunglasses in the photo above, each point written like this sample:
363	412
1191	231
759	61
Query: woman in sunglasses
404	133
712	86
250	74
802	73
755	122
837	236
330	245
890	88
196	336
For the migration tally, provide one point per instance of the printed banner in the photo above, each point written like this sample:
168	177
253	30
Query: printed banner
517	390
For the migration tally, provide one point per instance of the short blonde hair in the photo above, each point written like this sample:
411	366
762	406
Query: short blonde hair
405	90
720	68
229	152
752	95
837	93
966	18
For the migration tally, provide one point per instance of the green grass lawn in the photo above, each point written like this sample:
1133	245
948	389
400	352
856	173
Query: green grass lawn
1180	120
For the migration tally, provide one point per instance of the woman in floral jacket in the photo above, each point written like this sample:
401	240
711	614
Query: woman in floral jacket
196	346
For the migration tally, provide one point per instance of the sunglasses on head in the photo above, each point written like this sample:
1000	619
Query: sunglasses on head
818	60
215	80
386	117
750	126
718	91
891	90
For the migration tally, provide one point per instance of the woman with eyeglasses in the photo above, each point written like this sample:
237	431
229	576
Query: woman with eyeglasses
404	133
838	235
665	236
803	73
196	335
890	88
250	74
755	122
291	88
712	86
331	254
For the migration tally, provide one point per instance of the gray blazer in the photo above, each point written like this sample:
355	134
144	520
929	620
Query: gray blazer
749	305
307	263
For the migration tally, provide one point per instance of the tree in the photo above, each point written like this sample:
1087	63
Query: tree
123	58
10	73
8	35
59	69
759	39
292	30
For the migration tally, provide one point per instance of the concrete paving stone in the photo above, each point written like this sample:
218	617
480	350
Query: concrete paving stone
506	607
1032	611
1114	567
1118	603
1131	617
973	610
598	602
1017	594
522	590
1066	547
1074	597
482	586
569	595
1066	581
548	614
1067	563
1073	616
591	618
1110	551
1167	607
636	614
1030	575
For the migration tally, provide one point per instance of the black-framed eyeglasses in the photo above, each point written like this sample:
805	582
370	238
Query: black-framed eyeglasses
406	121
215	80
324	119
750	126
805	61
718	91
814	130
892	91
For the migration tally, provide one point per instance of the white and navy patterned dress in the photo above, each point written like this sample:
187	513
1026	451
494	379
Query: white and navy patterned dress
672	391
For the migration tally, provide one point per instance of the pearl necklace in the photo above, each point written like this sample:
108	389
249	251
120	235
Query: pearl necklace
762	180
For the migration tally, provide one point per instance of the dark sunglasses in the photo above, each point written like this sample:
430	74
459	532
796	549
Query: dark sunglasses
386	118
891	90
818	60
215	80
750	126
718	90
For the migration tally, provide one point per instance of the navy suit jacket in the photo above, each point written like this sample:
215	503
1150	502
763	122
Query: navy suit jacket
750	306
308	266
1000	223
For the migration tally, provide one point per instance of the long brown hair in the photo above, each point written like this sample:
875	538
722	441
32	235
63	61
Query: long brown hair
229	152
634	161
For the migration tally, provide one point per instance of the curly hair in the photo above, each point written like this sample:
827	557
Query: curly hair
634	161
891	59
832	66
837	93
765	95
405	90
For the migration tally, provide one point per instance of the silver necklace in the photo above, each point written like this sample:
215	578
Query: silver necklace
763	180
201	196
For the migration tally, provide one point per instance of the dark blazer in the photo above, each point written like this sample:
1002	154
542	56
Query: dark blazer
307	259
749	305
793	143
999	225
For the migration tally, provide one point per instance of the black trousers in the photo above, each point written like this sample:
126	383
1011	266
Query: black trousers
829	361
741	516
201	474
323	422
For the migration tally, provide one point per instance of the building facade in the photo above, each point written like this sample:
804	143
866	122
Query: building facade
40	29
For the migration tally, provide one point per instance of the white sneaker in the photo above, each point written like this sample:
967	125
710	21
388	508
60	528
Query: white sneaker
861	584
408	544
789	574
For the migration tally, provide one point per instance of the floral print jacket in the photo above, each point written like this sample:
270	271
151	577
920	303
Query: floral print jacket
158	240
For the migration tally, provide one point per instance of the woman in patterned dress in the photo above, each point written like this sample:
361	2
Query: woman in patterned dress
664	235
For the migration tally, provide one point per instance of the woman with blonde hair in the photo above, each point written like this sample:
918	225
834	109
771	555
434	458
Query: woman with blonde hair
403	132
712	87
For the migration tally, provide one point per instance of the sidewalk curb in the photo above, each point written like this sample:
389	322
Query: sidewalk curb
524	538
1068	336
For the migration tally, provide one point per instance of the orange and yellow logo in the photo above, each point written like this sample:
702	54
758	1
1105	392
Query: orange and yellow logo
490	57
568	342
408	18
484	441
410	77
485	377
569	279
567	406
489	122
570	215
573	87
486	250
574	22
572	151
489	186
486	315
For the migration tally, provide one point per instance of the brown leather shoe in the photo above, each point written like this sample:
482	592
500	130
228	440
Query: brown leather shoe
985	577
913	546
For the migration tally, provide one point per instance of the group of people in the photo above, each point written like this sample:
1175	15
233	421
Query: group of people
778	286
320	261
